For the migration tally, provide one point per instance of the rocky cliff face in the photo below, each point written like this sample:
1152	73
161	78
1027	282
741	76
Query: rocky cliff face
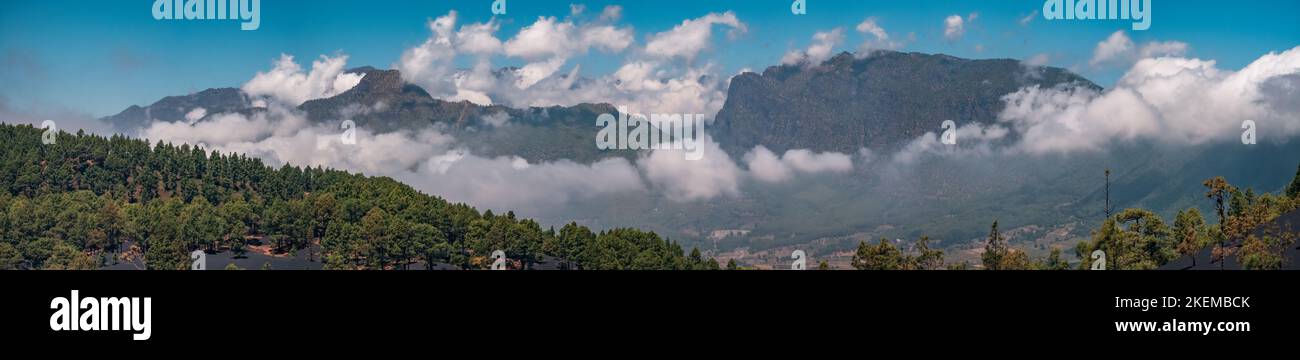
877	102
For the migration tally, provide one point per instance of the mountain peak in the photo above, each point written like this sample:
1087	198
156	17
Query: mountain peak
879	101
174	108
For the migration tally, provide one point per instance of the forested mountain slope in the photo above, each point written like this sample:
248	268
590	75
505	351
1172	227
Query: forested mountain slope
88	201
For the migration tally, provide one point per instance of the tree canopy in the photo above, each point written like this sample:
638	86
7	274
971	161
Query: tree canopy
87	201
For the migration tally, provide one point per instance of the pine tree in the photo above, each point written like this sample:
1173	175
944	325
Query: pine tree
10	258
995	249
882	256
1218	189
1055	262
1189	232
926	258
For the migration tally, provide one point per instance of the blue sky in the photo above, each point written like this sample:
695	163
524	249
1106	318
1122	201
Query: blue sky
99	57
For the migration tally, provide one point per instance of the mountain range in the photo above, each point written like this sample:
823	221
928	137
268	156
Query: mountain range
844	104
850	102
875	102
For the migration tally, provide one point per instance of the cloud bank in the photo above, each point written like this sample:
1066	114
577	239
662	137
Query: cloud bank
1171	100
288	83
663	76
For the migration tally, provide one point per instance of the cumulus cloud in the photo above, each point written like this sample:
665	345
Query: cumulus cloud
479	39
437	162
196	114
428	159
685	180
954	27
549	43
223	128
1116	45
612	13
648	81
287	82
1171	100
878	38
430	65
513	183
551	38
1119	49
973	139
688	39
823	44
766	166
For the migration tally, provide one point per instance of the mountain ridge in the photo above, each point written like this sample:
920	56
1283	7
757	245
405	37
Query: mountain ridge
848	102
843	104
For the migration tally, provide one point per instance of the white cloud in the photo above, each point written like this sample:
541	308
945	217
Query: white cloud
692	36
878	40
1161	49
220	128
551	38
479	38
426	159
765	166
1024	21
953	27
973	139
649	80
497	119
547	45
1168	99
1119	49
532	73
1115	46
684	180
612	13
287	82
547	37
196	114
431	66
512	183
823	45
